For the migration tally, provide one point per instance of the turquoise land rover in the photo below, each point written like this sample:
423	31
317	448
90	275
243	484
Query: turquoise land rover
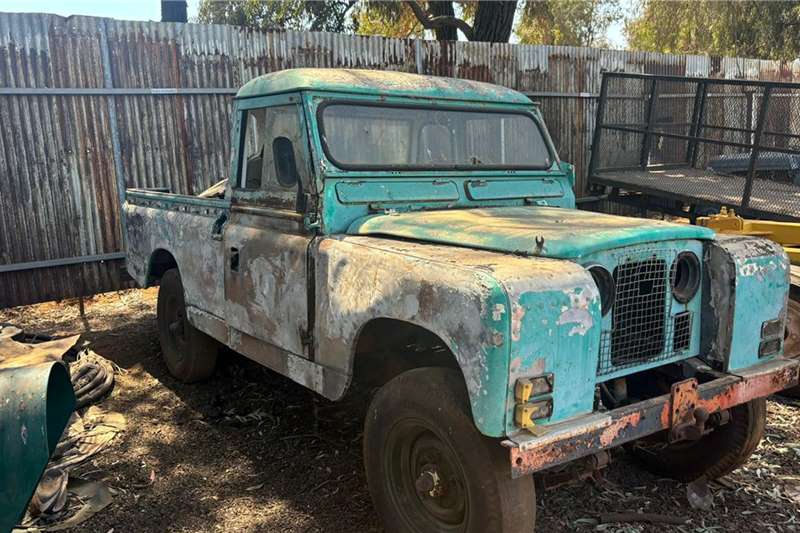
419	235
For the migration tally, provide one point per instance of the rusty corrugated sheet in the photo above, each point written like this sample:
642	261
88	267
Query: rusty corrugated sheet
58	179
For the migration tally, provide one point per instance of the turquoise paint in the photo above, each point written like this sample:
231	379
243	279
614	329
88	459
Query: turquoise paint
379	84
514	189
487	400
762	284
545	346
569	171
531	230
392	192
338	216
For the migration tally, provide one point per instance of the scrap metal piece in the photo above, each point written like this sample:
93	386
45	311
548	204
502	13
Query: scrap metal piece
14	354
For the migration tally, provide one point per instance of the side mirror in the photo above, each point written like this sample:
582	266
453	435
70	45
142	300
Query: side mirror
285	163
569	170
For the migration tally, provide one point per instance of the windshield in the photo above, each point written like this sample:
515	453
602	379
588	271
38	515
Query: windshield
383	137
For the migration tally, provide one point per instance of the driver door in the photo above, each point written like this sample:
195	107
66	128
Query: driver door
266	243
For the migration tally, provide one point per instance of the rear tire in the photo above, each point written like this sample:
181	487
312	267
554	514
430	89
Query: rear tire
190	354
428	467
719	453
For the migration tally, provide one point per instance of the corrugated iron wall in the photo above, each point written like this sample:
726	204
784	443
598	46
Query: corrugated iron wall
89	106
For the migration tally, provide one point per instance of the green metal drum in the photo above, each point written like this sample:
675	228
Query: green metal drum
35	405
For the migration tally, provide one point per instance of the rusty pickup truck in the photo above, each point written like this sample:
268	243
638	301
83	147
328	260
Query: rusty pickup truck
419	235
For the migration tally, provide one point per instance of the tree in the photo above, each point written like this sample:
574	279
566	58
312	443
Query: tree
492	20
747	28
483	20
568	22
313	15
390	19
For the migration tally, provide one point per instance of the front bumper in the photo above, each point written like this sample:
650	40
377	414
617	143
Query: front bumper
566	441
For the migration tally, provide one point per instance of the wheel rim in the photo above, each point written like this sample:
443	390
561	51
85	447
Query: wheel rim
791	341
424	478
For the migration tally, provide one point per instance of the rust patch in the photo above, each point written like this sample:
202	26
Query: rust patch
517	313
611	433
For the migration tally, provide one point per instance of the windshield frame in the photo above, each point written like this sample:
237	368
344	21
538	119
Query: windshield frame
428	105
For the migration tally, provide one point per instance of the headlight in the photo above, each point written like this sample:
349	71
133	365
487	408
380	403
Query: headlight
605	284
685	276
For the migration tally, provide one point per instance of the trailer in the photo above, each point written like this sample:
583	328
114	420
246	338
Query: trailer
689	146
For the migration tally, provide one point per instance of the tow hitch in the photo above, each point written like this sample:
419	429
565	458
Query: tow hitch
689	418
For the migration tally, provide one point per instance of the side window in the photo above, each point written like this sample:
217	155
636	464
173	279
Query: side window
274	163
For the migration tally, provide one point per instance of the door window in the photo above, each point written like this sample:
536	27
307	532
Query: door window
274	165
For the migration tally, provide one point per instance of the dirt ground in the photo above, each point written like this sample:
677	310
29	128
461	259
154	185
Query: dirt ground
251	451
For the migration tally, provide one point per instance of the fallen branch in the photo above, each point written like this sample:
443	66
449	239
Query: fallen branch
650	518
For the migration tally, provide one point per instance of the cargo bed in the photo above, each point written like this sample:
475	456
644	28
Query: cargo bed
694	144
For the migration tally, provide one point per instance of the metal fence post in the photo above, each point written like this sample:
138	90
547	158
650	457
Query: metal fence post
697	119
643	156
751	168
598	125
418	55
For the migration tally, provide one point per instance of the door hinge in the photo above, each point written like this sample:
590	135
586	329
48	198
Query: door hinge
306	337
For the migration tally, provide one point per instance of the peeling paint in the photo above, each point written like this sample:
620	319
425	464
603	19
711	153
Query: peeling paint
517	314
578	312
498	311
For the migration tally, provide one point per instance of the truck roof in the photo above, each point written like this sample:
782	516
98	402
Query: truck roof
386	83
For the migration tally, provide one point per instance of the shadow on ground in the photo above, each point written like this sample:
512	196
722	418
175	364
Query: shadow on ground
249	450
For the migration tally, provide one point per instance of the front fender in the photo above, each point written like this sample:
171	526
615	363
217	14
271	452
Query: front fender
454	296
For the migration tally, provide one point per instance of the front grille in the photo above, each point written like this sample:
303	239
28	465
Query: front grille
643	329
637	332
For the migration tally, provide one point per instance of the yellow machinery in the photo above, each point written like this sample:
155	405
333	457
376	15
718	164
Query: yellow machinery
786	234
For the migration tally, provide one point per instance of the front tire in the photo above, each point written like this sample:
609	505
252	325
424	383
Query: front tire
714	455
428	467
190	354
791	341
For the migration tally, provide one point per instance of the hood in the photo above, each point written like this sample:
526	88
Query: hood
531	230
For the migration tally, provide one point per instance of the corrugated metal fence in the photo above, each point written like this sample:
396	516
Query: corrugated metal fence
89	106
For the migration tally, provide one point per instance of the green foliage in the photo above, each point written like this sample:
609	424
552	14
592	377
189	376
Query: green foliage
390	19
567	22
484	20
748	28
313	15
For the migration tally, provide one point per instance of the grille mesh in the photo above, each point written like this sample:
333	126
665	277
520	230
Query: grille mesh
642	327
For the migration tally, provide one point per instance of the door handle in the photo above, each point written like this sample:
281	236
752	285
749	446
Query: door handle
234	259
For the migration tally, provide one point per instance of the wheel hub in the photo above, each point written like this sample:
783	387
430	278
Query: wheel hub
439	489
425	479
429	483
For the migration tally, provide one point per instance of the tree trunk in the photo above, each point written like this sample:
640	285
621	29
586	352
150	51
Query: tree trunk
443	8
493	21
